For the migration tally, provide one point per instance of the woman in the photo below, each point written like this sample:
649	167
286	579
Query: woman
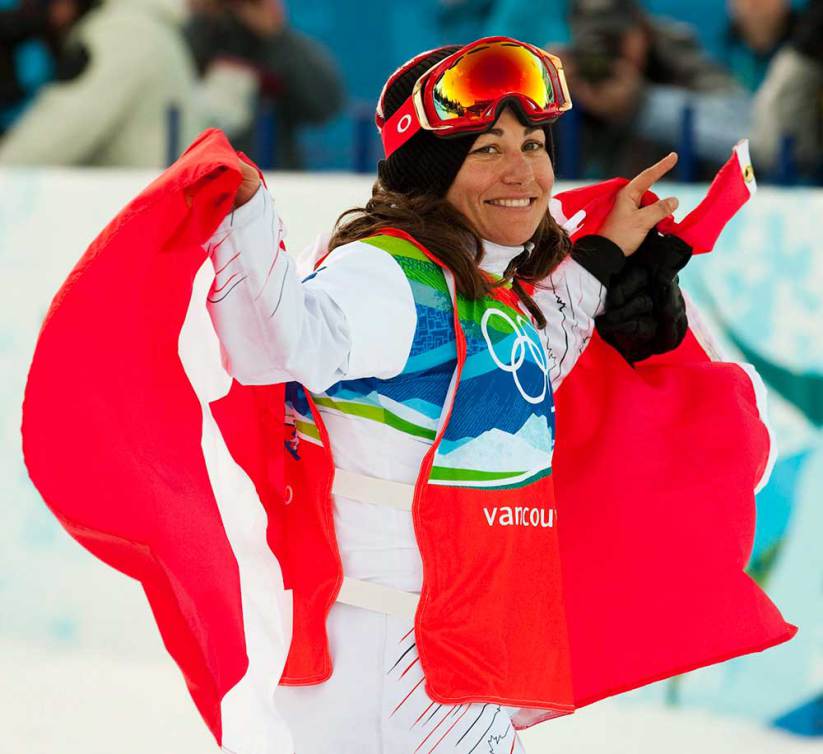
430	340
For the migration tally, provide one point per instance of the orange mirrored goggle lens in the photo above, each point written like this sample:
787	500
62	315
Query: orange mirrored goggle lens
480	77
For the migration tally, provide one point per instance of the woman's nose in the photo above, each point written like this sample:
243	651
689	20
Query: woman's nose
517	169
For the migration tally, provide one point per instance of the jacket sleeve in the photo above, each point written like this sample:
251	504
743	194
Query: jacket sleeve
788	104
570	299
353	317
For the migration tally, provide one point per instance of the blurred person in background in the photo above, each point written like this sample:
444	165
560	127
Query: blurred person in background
250	58
789	103
114	109
757	29
633	75
32	53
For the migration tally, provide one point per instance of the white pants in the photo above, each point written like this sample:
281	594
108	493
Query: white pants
375	702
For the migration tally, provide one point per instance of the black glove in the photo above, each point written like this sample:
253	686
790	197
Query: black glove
645	311
663	256
629	324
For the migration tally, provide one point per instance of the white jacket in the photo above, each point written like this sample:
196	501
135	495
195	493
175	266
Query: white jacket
357	319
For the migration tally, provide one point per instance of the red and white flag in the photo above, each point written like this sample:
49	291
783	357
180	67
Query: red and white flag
162	467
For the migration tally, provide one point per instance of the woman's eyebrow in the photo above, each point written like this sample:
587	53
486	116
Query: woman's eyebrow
499	131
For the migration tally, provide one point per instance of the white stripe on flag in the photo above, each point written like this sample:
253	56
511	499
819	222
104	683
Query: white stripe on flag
761	398
250	722
744	160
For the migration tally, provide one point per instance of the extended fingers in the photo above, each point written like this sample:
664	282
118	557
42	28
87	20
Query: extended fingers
654	213
642	182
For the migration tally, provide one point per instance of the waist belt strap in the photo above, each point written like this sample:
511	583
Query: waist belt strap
366	594
379	598
369	489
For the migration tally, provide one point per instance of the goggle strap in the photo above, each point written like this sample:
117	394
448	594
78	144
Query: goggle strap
398	129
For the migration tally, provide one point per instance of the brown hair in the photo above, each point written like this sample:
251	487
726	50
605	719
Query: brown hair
450	236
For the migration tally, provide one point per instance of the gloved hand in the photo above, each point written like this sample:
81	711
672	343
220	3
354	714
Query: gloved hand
663	256
645	311
628	323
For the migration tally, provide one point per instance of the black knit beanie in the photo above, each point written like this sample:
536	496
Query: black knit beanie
425	164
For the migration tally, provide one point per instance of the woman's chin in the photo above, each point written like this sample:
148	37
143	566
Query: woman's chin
511	236
516	231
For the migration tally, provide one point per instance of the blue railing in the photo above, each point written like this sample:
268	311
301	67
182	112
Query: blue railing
173	146
687	155
365	145
265	137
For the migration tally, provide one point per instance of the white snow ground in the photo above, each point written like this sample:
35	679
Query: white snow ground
58	702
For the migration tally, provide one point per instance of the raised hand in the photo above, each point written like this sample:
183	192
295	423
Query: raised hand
248	185
628	222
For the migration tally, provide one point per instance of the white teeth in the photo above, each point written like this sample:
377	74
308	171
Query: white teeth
510	202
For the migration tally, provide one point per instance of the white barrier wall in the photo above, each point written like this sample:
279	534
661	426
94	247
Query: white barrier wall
81	664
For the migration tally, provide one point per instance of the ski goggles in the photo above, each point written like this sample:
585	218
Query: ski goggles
465	92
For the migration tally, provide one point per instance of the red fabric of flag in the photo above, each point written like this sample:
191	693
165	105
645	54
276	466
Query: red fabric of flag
111	426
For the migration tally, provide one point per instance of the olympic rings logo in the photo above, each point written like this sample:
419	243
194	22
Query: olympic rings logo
522	345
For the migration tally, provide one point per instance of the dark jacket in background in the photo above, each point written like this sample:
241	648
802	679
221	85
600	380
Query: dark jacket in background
297	76
789	103
675	58
19	27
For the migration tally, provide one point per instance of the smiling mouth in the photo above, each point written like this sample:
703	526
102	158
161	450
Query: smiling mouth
512	203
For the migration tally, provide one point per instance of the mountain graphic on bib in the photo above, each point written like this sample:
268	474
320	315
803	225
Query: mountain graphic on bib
527	449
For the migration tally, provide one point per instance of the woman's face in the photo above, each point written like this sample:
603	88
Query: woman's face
504	184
